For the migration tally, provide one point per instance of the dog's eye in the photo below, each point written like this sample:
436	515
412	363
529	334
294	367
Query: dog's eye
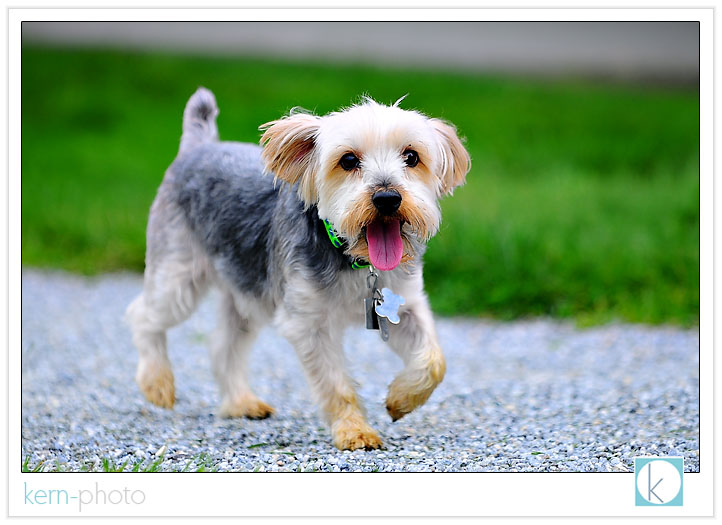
349	162
411	158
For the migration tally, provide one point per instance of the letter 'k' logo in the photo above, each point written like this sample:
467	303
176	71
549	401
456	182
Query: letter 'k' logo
658	481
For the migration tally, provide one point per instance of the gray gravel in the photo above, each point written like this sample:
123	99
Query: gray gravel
535	395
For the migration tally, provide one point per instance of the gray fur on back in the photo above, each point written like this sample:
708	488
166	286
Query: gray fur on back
248	226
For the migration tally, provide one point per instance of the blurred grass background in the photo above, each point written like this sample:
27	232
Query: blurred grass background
582	202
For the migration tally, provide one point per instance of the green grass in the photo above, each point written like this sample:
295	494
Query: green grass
583	199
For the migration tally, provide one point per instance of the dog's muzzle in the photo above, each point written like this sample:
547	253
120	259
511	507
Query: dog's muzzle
386	201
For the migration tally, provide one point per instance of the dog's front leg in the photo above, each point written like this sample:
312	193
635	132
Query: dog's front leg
414	340
318	343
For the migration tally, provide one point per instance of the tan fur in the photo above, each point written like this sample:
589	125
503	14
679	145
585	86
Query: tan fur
408	391
456	162
410	213
363	212
156	383
348	425
423	171
249	406
354	433
288	151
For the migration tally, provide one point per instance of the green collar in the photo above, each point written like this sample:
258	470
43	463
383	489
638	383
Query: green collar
356	264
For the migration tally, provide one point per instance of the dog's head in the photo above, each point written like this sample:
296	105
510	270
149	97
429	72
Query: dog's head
375	172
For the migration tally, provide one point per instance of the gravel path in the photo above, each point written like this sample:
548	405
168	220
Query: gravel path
524	396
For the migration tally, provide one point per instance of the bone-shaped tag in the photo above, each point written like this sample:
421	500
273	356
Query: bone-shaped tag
388	306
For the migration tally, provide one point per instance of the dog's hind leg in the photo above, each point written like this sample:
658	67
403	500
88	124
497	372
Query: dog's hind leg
174	281
230	348
165	302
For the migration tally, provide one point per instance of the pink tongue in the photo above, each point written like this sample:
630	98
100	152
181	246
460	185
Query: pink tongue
385	245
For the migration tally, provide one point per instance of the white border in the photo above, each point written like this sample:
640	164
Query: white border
356	14
482	494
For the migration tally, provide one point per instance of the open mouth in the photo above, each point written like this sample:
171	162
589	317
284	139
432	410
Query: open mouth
385	244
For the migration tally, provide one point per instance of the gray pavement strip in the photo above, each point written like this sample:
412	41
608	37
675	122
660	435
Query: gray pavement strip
663	51
533	395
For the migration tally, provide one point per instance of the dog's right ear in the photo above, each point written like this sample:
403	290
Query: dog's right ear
288	151
456	162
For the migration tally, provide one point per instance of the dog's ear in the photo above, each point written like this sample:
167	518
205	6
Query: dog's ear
288	151
455	162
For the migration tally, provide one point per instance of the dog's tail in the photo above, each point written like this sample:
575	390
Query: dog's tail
199	120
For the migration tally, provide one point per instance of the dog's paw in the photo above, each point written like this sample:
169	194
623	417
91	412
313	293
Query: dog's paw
349	436
401	399
412	388
250	407
156	383
400	402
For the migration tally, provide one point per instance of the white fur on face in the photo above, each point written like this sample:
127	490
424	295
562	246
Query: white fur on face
378	135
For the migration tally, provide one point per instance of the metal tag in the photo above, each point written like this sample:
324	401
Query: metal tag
384	326
381	307
388	306
372	320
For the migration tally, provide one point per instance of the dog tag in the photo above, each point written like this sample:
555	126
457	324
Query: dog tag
382	306
372	320
388	306
384	327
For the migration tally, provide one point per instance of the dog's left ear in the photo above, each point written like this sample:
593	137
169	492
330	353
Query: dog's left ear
455	160
288	151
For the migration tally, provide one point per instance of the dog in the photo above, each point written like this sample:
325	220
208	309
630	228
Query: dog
285	230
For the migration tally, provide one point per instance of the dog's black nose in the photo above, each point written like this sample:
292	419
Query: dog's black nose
387	201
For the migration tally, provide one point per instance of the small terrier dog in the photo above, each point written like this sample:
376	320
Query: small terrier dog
361	189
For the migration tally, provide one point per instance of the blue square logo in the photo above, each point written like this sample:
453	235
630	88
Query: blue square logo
658	481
